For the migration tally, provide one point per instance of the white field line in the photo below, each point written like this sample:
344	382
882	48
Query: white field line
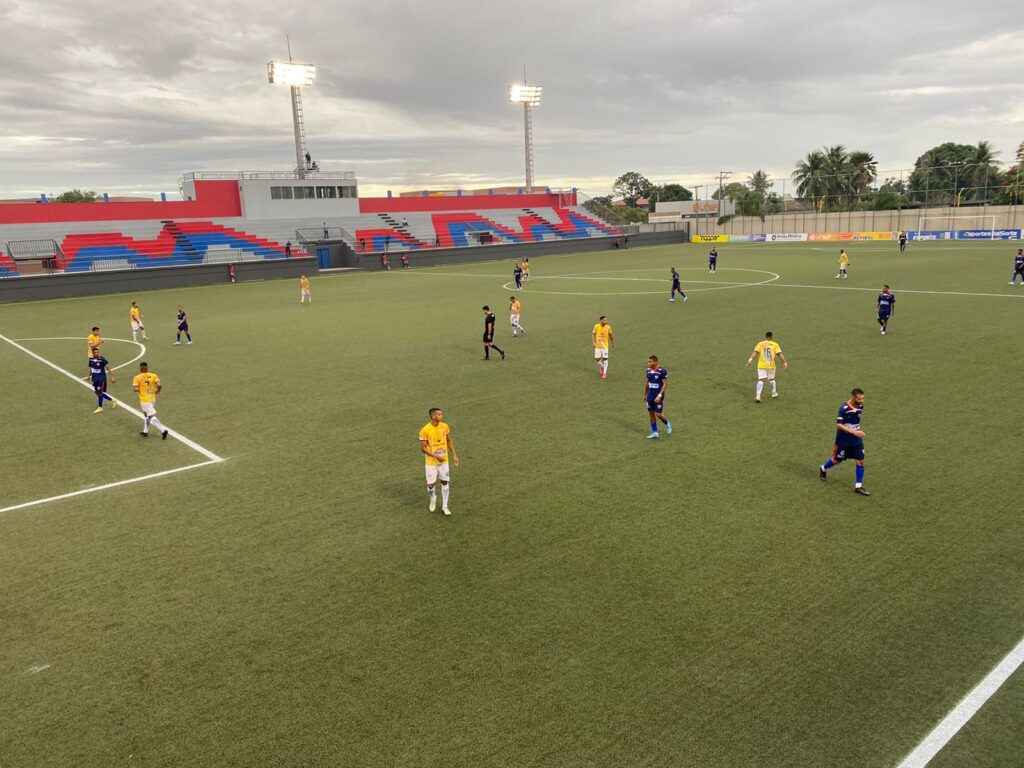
77	338
965	710
895	290
107	486
177	436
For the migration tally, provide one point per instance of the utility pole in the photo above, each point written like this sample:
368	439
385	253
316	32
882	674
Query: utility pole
722	176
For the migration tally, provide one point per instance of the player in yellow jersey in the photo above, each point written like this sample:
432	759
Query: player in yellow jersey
603	340
514	308
135	316
844	262
766	352
436	445
93	340
304	290
148	386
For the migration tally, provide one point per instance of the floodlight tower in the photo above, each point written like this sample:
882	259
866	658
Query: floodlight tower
295	76
528	96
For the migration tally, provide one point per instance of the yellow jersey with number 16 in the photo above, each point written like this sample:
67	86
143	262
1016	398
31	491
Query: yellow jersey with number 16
767	351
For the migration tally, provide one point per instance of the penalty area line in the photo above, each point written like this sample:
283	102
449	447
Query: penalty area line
965	710
213	457
108	486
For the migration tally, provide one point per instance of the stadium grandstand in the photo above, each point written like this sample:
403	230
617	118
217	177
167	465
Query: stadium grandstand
245	216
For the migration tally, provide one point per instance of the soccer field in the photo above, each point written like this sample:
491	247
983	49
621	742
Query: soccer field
596	598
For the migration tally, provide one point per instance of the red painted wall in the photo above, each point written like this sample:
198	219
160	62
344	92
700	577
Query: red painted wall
464	203
215	199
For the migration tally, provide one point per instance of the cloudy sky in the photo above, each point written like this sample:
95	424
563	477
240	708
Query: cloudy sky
124	97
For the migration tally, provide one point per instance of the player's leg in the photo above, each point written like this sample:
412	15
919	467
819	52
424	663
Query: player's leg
431	473
771	383
762	374
177	339
97	387
143	329
134	331
487	349
442	473
653	419
497	349
838	457
859	484
154	421
604	364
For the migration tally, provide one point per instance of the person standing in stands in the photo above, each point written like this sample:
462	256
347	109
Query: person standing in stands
309	160
405	259
437	241
326	233
288	249
362	245
384	262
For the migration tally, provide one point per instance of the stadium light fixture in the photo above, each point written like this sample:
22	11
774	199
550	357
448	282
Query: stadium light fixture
529	97
290	73
295	76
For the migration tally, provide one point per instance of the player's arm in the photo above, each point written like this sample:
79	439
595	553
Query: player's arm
159	387
611	339
782	357
661	392
753	354
451	450
849	429
135	386
593	336
112	379
425	447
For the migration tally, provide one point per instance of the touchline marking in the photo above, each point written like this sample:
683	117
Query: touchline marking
901	290
213	457
77	338
965	710
107	486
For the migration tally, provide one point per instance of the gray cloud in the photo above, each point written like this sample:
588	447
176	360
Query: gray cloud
129	96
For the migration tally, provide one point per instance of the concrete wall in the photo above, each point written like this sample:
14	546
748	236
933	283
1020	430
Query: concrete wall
91	283
440	256
1006	217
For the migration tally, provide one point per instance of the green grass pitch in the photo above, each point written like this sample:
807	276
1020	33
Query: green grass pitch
596	599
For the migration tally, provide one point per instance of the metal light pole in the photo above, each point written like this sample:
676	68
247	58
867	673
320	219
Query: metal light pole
296	76
528	96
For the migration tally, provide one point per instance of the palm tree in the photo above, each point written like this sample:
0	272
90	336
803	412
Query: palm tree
809	176
980	170
864	171
837	164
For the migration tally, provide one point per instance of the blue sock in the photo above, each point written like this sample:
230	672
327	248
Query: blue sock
828	464
188	336
99	396
179	337
860	474
654	426
683	294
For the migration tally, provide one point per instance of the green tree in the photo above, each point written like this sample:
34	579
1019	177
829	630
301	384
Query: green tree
981	171
631	186
863	172
941	174
75	196
668	193
810	177
759	183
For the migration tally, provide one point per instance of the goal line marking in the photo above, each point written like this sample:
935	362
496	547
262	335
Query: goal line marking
965	710
901	290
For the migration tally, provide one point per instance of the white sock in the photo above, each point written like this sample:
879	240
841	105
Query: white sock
604	366
773	386
431	492
444	495
156	423
145	425
133	335
760	388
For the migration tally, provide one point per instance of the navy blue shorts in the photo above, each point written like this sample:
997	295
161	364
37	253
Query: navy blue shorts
884	315
843	452
655	407
100	385
183	327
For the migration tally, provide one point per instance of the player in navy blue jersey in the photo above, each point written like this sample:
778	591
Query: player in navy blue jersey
676	288
99	367
886	308
654	395
1018	267
849	440
713	260
517	273
182	326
